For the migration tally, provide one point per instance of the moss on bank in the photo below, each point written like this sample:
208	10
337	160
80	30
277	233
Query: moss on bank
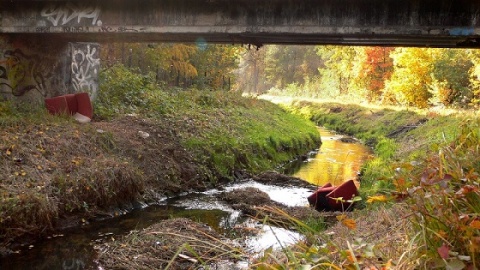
56	172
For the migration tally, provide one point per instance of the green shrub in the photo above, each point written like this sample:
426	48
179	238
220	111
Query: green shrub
123	91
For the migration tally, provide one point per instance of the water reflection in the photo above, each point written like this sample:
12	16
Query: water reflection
335	162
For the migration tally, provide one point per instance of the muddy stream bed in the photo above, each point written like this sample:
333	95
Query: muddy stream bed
338	159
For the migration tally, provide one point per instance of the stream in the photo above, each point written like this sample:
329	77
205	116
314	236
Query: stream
334	162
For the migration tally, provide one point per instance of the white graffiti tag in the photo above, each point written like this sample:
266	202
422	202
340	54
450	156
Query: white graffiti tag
63	14
85	66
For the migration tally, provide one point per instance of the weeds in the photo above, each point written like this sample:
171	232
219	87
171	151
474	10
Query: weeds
433	161
444	197
356	242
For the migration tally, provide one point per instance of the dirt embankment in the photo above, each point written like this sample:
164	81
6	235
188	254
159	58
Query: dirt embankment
154	147
59	173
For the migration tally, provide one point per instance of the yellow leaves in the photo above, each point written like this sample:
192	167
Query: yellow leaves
20	173
41	149
475	224
348	222
76	161
378	198
388	265
9	151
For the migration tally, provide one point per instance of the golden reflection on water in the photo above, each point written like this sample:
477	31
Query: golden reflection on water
335	162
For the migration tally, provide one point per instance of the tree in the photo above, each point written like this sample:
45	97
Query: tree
178	64
338	69
411	76
374	70
250	71
474	76
450	78
216	65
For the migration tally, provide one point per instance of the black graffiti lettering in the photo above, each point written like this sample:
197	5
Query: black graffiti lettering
42	29
3	73
106	29
74	29
123	29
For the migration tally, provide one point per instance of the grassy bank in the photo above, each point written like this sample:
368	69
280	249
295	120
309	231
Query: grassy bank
396	135
57	173
428	165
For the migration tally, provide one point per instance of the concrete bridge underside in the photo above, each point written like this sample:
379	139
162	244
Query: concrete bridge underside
432	23
51	46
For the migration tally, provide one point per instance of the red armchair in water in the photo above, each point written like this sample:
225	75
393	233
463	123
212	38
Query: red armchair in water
331	198
78	105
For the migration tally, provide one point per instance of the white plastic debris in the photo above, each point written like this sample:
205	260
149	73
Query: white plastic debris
143	134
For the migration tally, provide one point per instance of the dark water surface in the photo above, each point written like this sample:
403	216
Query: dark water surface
335	162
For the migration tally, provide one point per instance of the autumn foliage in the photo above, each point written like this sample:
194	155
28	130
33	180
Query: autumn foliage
444	196
416	77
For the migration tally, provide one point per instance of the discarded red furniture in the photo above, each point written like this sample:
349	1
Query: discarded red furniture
77	104
331	198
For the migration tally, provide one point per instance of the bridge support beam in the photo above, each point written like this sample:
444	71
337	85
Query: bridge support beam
32	69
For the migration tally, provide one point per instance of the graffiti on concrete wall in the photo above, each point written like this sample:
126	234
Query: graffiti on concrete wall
85	67
20	73
64	14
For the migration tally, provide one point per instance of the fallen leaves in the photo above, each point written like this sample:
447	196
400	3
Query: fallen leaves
348	222
378	198
443	251
475	224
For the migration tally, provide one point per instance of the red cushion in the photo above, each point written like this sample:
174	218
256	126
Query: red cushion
56	105
346	191
84	104
318	198
71	103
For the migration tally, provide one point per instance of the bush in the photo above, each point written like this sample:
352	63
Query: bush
123	91
445	201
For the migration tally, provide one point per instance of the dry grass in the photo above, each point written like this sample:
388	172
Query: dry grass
385	232
374	239
171	244
54	169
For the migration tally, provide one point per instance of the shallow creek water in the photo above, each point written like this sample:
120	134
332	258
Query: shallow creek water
73	248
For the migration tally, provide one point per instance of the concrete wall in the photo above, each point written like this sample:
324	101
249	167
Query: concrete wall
389	22
32	68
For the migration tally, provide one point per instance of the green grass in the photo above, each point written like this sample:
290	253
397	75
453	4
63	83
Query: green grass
251	134
226	132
